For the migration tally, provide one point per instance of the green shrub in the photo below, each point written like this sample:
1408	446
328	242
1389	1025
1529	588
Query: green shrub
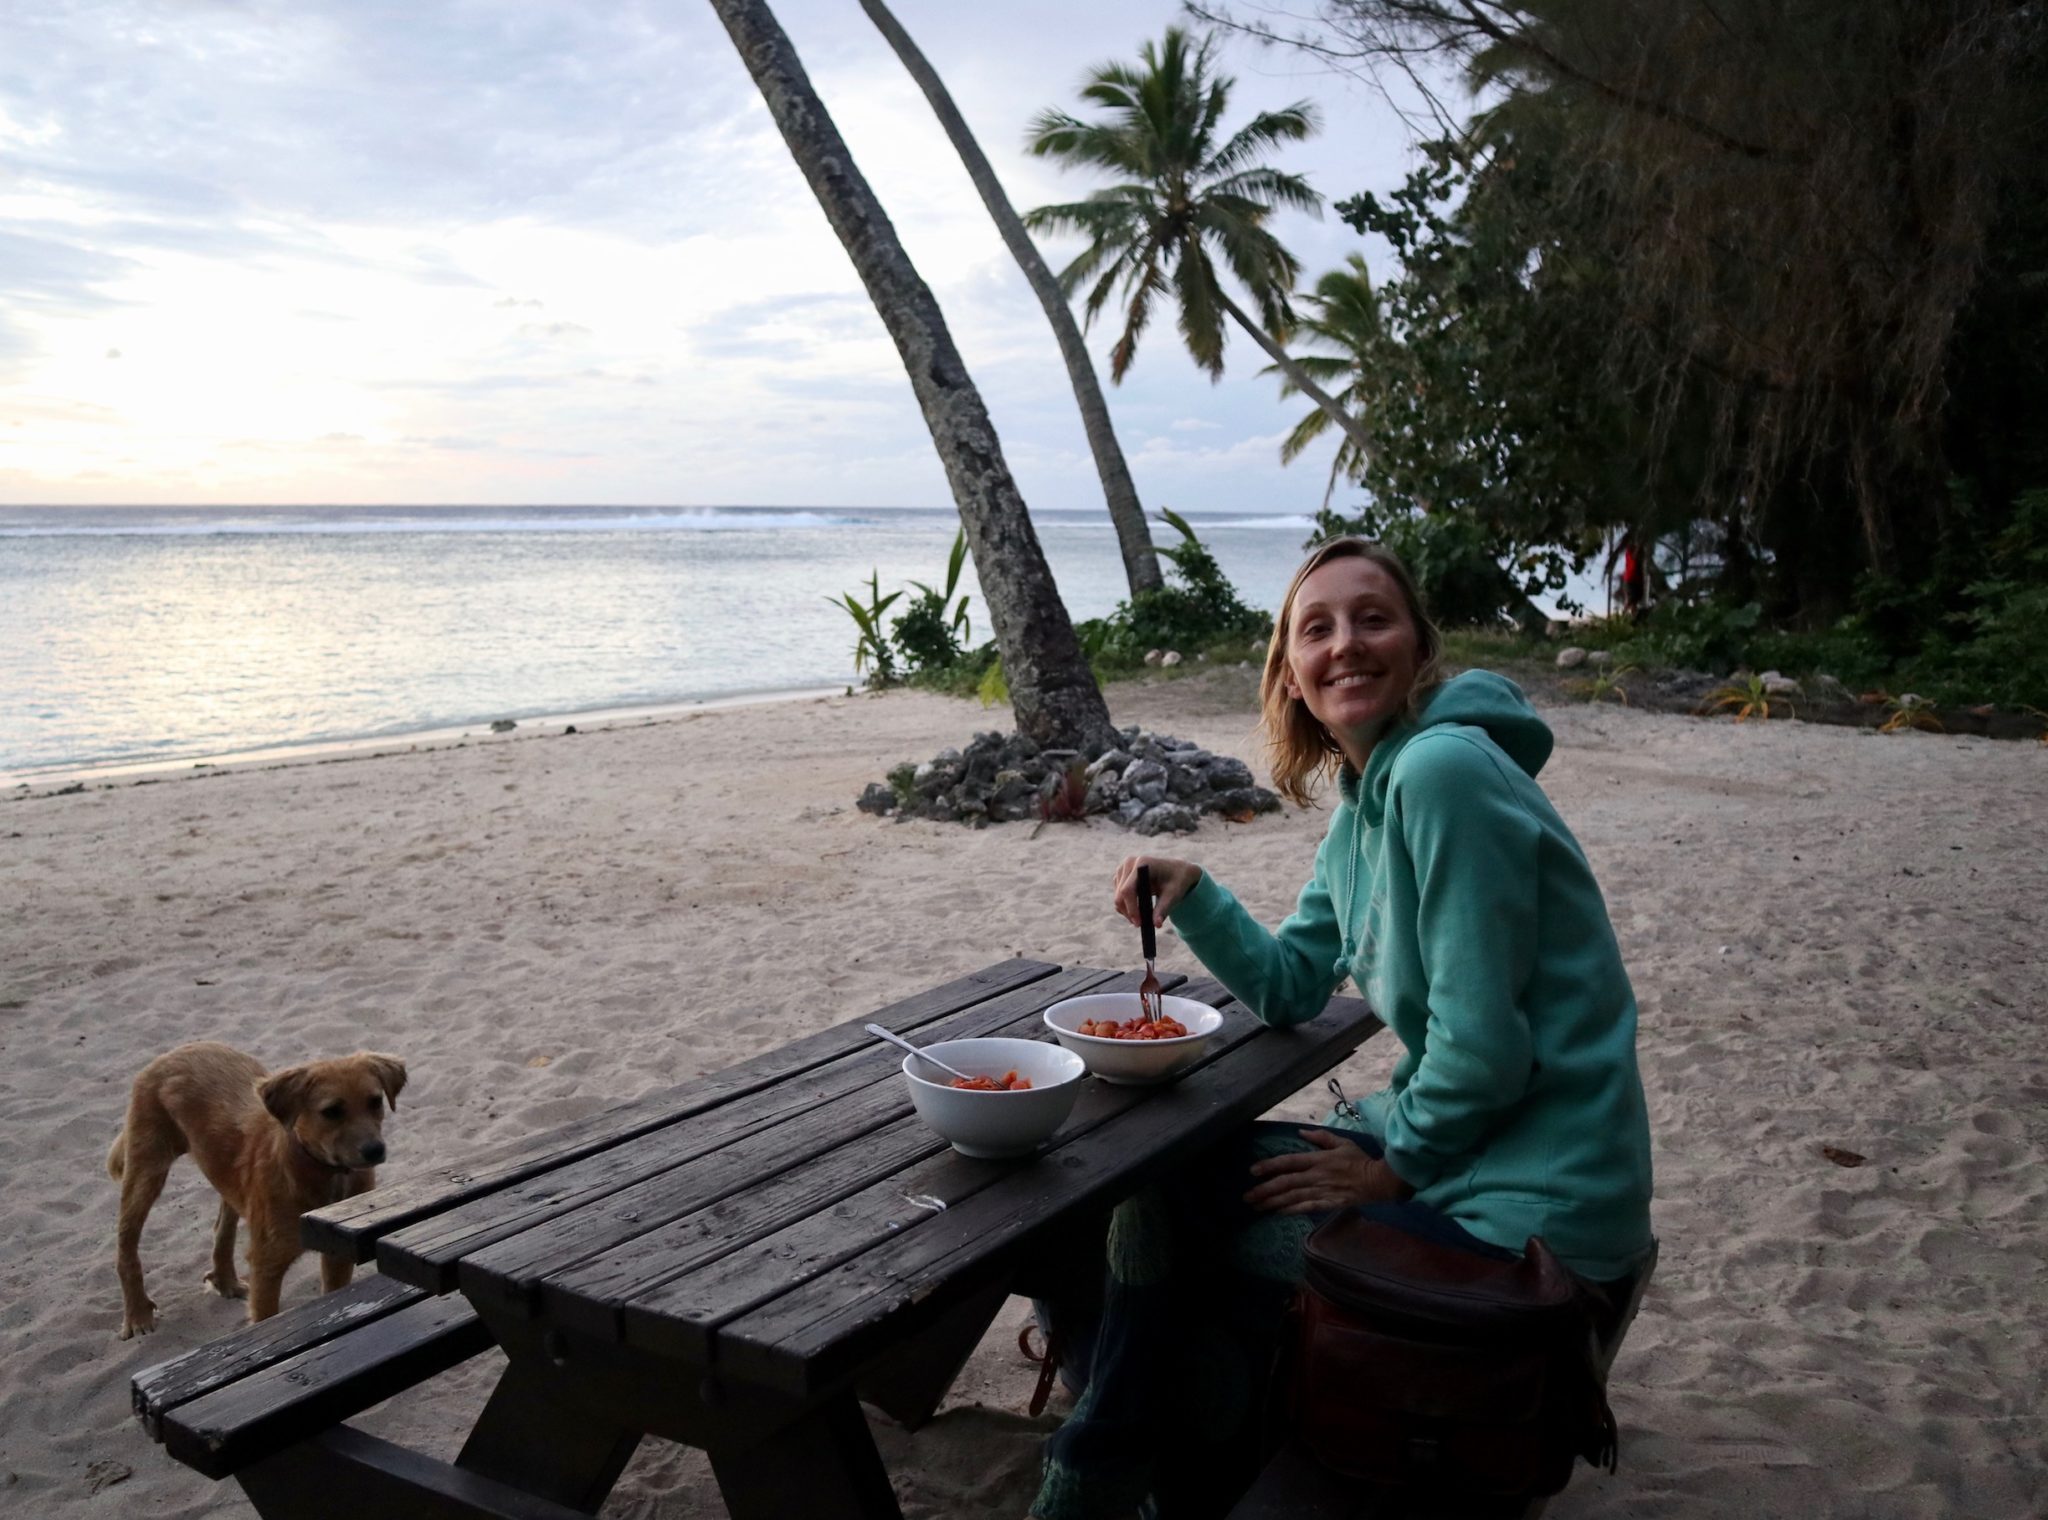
1458	563
930	632
1199	612
871	651
1692	635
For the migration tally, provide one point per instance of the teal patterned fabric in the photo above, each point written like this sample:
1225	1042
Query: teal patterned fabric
1171	1422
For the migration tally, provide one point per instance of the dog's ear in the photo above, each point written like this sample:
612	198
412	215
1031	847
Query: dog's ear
389	1072
284	1093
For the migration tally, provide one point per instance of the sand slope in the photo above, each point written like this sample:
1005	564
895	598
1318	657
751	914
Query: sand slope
1836	938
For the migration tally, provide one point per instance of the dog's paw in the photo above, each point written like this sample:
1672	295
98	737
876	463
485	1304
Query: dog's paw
138	1322
232	1288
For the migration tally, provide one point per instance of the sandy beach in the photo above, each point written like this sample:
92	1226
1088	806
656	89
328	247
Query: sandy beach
1836	939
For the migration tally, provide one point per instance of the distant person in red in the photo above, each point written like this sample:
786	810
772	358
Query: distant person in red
1635	576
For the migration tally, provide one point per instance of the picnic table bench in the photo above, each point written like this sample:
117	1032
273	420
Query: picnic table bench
737	1263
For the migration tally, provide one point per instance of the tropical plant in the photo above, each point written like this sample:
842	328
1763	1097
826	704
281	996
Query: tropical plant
1052	690
1603	685
994	686
1909	712
871	648
1185	192
1747	700
1345	318
1199	610
931	631
1141	566
1695	636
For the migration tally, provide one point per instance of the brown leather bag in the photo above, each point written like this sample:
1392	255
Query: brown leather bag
1422	1366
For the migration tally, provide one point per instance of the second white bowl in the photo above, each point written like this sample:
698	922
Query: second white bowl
1132	1061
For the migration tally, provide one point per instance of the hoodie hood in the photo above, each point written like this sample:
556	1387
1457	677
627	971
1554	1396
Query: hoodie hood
1477	699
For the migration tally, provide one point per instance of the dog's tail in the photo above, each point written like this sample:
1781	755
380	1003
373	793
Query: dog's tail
117	1158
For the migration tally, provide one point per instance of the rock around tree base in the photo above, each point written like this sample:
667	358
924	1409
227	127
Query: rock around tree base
1150	783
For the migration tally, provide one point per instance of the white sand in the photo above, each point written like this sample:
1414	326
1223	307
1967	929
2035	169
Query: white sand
1836	938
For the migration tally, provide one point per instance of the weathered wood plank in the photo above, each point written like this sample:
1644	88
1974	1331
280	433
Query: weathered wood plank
262	1413
353	1226
343	1474
710	1154
586	1270
818	1333
655	1231
183	1378
677	1316
426	1253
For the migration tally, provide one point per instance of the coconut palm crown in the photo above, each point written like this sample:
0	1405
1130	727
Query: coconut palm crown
1344	317
1184	197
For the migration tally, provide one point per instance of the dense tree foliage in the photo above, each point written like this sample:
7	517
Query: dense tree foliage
1761	280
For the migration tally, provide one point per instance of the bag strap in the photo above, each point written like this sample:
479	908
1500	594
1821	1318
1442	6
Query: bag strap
1048	1362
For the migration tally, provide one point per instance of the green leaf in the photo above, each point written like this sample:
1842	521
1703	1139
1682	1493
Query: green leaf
994	688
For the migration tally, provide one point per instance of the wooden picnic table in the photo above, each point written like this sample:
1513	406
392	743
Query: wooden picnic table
736	1263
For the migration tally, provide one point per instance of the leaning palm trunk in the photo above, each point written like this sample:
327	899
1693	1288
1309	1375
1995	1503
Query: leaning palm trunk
1291	368
1052	690
1141	561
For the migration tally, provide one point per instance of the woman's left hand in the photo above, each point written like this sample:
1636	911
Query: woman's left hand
1335	1175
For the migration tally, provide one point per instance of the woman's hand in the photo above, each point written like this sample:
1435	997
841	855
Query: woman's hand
1171	881
1335	1175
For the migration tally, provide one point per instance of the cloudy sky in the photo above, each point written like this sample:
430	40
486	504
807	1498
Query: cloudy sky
546	251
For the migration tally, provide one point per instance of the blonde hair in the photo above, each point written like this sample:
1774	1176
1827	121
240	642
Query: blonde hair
1300	752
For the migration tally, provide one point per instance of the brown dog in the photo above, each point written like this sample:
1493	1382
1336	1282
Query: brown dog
273	1146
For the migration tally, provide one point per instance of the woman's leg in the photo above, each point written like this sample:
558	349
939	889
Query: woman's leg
1195	1301
1193	1322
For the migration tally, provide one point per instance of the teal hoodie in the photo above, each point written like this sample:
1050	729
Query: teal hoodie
1450	891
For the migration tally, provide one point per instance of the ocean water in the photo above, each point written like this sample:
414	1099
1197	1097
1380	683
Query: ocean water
144	635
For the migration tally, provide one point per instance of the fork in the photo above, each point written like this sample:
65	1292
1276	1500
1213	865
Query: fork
1149	1004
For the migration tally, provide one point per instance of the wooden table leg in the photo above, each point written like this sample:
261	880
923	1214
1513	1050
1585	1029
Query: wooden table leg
549	1446
908	1385
823	1467
343	1474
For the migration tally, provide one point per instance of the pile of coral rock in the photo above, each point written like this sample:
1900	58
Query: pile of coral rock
1151	783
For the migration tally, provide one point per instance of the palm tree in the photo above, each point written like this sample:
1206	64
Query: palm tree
1184	194
1134	537
1052	690
1347	319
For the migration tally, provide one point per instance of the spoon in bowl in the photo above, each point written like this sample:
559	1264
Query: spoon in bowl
1149	990
896	1039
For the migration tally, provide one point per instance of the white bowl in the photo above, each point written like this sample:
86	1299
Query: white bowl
1132	1062
990	1124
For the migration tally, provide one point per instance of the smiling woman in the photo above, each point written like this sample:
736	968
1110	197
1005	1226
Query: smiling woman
1360	650
1450	891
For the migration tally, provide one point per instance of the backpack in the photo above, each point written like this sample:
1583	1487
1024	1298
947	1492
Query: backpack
1423	1366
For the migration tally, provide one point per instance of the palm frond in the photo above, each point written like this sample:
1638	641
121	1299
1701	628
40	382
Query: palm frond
1320	368
1264	132
1143	286
1201	312
1268	188
1303	433
1265	269
1054	134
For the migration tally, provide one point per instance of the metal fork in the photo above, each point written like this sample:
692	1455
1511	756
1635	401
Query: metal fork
1148	990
